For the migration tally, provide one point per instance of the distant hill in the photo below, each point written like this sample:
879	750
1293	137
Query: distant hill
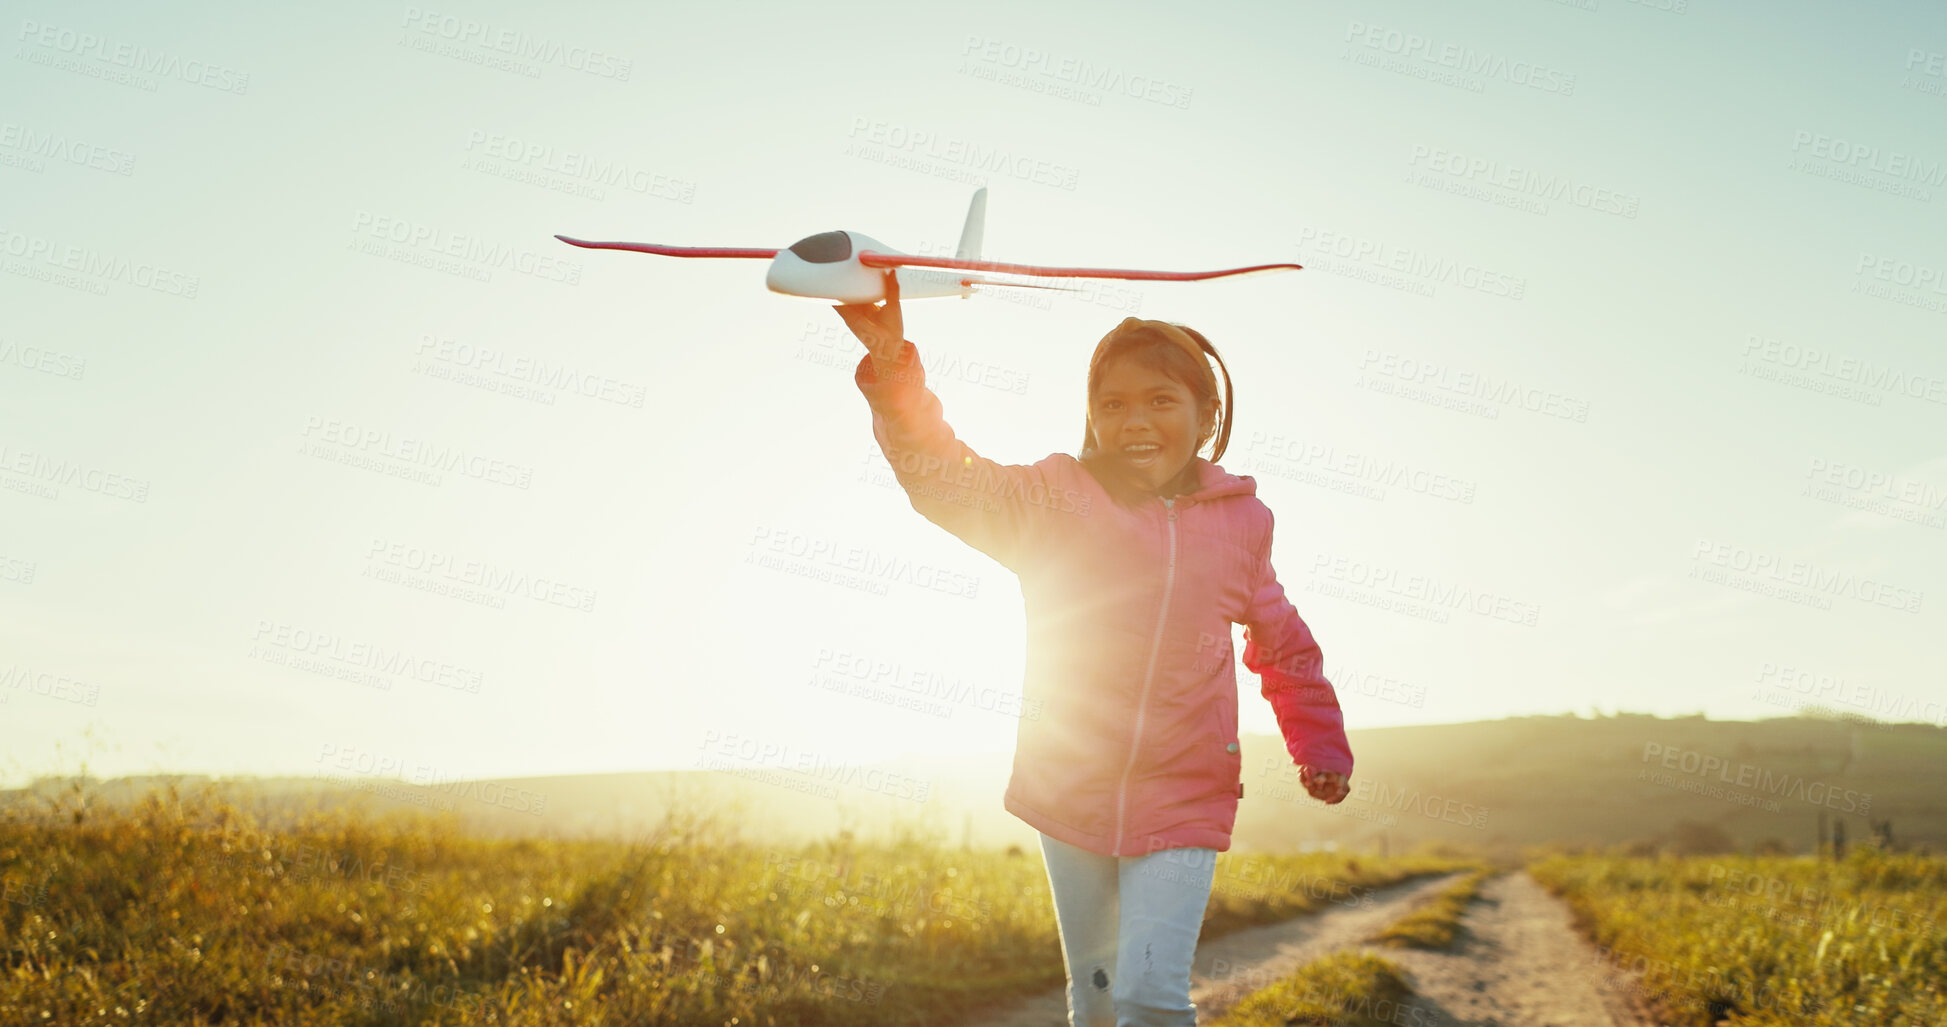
1622	779
1499	784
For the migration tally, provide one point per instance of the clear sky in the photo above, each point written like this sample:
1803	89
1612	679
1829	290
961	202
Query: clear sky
1615	378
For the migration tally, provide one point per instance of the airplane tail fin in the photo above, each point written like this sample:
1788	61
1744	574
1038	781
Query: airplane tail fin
971	233
976	222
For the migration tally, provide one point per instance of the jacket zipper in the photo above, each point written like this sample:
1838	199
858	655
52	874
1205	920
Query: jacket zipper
1155	645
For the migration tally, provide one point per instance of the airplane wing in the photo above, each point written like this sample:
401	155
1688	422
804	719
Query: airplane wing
871	258
673	251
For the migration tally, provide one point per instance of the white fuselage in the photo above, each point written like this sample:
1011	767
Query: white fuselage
845	280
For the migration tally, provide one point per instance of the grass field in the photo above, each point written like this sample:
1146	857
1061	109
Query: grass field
1771	940
185	910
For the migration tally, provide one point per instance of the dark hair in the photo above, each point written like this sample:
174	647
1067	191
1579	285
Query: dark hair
1161	345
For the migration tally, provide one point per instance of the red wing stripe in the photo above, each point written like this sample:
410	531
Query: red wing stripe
874	259
672	251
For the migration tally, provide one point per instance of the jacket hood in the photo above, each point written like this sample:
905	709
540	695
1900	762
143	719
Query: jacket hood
1212	482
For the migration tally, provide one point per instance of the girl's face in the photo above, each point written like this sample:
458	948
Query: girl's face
1145	422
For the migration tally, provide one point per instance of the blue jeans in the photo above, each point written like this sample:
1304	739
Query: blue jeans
1129	930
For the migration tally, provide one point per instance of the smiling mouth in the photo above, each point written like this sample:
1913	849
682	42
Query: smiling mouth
1142	454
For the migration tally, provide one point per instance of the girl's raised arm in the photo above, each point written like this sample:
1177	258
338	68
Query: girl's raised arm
990	506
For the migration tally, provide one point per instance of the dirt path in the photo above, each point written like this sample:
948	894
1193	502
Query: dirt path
1239	963
1517	963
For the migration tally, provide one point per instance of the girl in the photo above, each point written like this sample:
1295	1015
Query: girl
1135	559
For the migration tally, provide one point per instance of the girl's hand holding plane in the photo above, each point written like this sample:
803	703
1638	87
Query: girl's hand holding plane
880	326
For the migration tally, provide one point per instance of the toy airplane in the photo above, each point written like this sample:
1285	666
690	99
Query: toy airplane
848	266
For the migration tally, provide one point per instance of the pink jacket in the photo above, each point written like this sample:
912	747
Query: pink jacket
1129	615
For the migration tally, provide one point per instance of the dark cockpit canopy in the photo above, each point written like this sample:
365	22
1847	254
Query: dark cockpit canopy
823	248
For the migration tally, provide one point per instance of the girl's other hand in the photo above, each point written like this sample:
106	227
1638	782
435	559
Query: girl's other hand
879	326
1328	787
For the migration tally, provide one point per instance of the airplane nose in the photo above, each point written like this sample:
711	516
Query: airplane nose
779	277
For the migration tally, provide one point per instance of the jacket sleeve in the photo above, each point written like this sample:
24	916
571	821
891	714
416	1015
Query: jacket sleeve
992	507
1278	647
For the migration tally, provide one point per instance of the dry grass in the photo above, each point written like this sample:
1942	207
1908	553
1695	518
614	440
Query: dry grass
1344	989
185	909
1769	940
1435	923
